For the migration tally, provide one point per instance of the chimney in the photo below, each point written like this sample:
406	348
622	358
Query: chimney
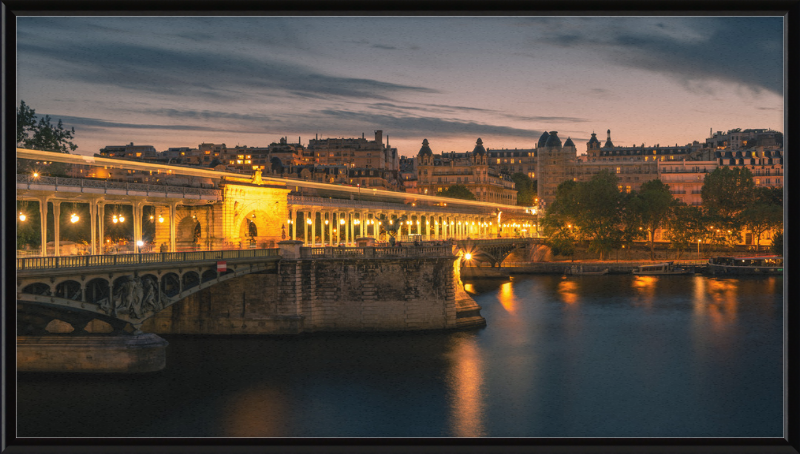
379	136
362	135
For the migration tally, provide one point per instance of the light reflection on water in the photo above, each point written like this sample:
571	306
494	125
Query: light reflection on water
596	356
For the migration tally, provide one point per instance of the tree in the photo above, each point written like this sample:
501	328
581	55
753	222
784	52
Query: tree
42	135
458	191
559	223
760	218
631	227
526	189
685	226
777	243
599	204
727	192
653	205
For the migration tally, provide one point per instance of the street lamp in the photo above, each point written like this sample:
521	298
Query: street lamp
22	216
140	243
698	249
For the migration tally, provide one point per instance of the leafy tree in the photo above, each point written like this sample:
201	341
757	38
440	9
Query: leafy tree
685	226
777	243
458	191
526	189
631	227
727	192
763	215
653	204
599	204
28	231
559	223
42	135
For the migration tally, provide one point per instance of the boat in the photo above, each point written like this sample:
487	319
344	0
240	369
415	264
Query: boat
665	268
757	265
576	270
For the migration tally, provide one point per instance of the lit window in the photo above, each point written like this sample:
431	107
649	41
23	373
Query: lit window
183	153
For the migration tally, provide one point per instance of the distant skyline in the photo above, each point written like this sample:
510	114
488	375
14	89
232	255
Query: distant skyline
182	81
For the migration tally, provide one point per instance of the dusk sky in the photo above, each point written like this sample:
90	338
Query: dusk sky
172	82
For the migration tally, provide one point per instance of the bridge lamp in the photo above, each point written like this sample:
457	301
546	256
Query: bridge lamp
326	222
115	219
308	221
35	175
468	256
22	216
121	219
74	218
160	219
341	221
152	217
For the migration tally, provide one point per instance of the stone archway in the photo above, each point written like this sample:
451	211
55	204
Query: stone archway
252	229
186	233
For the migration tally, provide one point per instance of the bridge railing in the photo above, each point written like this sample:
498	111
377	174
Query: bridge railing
378	252
84	261
105	184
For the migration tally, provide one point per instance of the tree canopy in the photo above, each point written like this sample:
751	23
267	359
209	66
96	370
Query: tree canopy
526	189
653	205
458	191
42	135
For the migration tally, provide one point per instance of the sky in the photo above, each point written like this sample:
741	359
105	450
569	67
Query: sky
182	81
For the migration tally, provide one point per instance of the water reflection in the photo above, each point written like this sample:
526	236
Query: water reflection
721	307
506	297
568	291
259	411
645	287
465	381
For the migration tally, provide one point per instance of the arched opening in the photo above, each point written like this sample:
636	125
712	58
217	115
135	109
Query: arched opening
170	284
97	292
209	275
98	326
189	235
37	289
190	279
69	290
253	230
57	326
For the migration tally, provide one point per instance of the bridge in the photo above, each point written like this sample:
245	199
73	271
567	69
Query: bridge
260	255
233	210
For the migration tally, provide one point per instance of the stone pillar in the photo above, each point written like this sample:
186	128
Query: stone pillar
172	226
92	228
138	210
293	224
56	226
330	227
101	223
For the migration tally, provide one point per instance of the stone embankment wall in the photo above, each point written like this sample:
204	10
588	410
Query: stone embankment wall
329	294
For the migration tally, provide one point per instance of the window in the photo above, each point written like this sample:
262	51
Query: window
617	169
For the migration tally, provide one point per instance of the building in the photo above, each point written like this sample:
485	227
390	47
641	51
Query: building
514	161
358	152
685	178
436	173
129	151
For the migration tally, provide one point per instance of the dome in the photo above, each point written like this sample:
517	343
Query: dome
479	147
609	143
593	142
543	139
425	150
569	143
553	140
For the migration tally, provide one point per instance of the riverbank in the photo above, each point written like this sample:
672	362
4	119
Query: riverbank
560	267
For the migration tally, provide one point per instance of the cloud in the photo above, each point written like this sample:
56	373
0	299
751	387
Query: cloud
694	51
103	124
383	46
217	75
407	126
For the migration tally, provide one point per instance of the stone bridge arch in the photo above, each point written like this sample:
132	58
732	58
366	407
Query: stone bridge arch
256	219
116	299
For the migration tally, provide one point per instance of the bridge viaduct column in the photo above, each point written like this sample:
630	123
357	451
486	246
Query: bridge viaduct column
56	226
292	224
101	223
92	227
172	227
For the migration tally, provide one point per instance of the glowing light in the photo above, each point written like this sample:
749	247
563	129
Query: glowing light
468	256
341	221
121	219
326	222
308	221
115	219
22	216
74	218
140	243
35	175
161	219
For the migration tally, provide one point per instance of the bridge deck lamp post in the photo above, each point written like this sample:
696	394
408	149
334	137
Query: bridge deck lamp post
698	249
139	245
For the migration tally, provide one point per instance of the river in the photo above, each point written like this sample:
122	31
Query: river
587	356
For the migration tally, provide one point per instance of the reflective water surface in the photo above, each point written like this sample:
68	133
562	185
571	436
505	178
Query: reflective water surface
588	356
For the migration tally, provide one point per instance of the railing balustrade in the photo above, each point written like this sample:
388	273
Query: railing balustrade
345	204
86	261
370	251
105	184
